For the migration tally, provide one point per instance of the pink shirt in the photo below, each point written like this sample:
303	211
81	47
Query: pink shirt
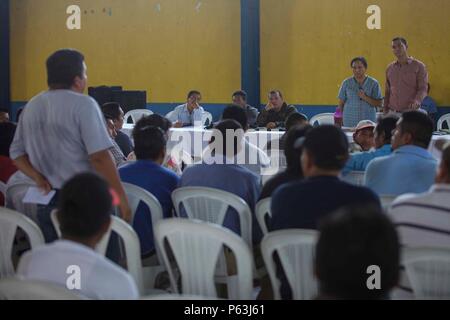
405	84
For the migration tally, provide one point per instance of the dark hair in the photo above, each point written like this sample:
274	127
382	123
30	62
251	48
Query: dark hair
360	59
240	93
112	110
63	67
19	113
446	156
276	92
235	112
294	119
351	240
192	92
419	125
84	206
401	39
293	154
149	142
155	120
221	128
7	131
328	146
386	125
4	110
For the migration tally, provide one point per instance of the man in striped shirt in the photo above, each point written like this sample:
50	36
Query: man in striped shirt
423	220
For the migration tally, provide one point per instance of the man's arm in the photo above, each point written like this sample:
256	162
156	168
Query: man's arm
262	118
422	85
23	164
103	163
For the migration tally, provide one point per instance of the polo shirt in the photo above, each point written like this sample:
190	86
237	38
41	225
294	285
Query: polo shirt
160	182
409	169
360	160
100	278
182	114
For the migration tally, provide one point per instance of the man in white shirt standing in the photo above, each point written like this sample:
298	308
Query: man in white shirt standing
61	133
84	214
190	113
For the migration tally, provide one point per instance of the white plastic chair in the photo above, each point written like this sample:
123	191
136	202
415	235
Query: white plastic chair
207	118
3	190
386	200
322	118
443	119
262	210
355	177
9	222
16	289
14	196
170	115
428	271
295	248
137	114
211	205
196	246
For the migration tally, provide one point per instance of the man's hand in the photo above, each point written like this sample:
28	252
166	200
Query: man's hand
125	211
178	124
43	184
271	125
362	95
414	106
269	106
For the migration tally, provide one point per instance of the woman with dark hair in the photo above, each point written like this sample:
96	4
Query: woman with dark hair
359	95
294	170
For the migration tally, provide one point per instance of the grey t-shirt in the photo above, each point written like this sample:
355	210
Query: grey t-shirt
58	130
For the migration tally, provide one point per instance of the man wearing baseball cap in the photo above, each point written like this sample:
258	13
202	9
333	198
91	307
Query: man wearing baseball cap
364	135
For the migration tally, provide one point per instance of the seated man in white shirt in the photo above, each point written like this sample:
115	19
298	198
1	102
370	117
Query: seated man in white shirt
422	220
84	213
250	156
188	114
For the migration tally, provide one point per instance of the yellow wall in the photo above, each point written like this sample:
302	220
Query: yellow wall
166	49
307	45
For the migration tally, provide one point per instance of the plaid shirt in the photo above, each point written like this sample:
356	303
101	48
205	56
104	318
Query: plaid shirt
117	154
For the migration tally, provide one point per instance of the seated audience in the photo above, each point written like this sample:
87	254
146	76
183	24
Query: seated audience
117	154
350	241
84	213
219	171
295	119
410	168
4	115
173	161
113	110
430	106
249	156
149	174
302	204
190	113
7	167
240	98
363	137
276	112
383	135
293	171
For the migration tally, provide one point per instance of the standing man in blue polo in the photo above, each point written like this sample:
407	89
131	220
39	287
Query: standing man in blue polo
410	168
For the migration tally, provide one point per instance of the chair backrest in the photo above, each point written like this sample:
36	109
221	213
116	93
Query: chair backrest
322	118
16	289
211	205
3	190
443	119
137	114
263	211
14	196
170	115
295	249
207	118
130	241
386	200
428	271
196	247
9	222
355	177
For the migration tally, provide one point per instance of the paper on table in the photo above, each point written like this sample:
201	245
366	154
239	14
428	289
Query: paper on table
34	195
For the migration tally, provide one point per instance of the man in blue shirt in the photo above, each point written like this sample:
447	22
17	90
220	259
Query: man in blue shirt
383	135
410	168
219	171
305	203
188	114
148	173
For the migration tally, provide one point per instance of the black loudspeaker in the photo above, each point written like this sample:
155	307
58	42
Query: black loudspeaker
130	100
104	94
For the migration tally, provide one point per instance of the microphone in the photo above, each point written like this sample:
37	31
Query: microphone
360	88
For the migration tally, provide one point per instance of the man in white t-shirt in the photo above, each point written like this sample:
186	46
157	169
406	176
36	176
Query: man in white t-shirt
61	133
84	213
